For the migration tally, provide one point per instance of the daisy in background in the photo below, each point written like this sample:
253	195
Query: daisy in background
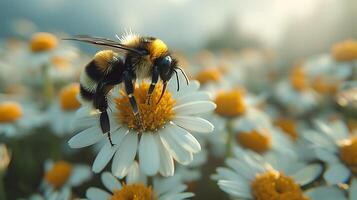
249	176
137	187
18	119
295	94
345	55
62	112
232	105
337	147
61	176
256	132
163	137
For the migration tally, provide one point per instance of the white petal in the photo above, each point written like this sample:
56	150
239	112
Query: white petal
308	174
235	189
85	138
326	156
95	194
107	151
184	138
175	149
325	193
179	196
337	173
353	189
134	174
196	107
196	124
149	154
197	96
340	130
80	174
166	162
110	182
125	155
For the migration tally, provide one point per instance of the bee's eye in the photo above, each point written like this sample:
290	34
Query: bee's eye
166	61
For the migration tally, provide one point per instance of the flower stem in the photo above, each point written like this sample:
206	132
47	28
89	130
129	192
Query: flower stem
229	142
48	87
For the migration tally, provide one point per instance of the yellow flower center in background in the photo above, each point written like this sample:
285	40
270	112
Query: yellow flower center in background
59	174
273	185
153	116
230	104
348	154
298	78
10	112
345	51
256	141
68	97
60	62
208	75
288	126
43	42
324	86
136	191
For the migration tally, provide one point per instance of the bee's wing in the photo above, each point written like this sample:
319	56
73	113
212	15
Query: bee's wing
99	41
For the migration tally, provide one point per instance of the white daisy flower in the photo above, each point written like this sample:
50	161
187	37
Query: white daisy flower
163	137
231	105
334	145
249	176
62	112
333	192
61	176
135	188
18	119
296	102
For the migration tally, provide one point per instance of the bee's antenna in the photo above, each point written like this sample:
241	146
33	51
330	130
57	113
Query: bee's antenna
184	74
177	79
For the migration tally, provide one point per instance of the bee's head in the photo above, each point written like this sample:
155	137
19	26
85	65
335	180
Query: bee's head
166	66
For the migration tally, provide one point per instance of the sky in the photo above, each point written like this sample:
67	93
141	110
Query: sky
181	23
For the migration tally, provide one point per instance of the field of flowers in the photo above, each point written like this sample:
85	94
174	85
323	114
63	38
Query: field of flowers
242	128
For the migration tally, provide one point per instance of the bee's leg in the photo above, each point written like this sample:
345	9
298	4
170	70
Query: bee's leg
129	88
100	102
105	125
154	80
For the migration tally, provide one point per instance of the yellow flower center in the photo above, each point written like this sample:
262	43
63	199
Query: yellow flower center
288	126
136	191
60	62
59	174
43	42
273	185
258	141
348	153
209	75
230	104
324	86
153	116
345	51
68	97
10	112
298	78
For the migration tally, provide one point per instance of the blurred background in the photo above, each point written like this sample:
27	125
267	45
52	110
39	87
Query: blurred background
294	29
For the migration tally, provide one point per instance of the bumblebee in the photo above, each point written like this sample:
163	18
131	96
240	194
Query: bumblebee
132	57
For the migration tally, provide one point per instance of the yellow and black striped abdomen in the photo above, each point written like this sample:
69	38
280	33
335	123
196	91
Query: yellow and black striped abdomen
95	71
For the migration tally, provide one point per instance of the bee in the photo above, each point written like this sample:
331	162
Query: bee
132	57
